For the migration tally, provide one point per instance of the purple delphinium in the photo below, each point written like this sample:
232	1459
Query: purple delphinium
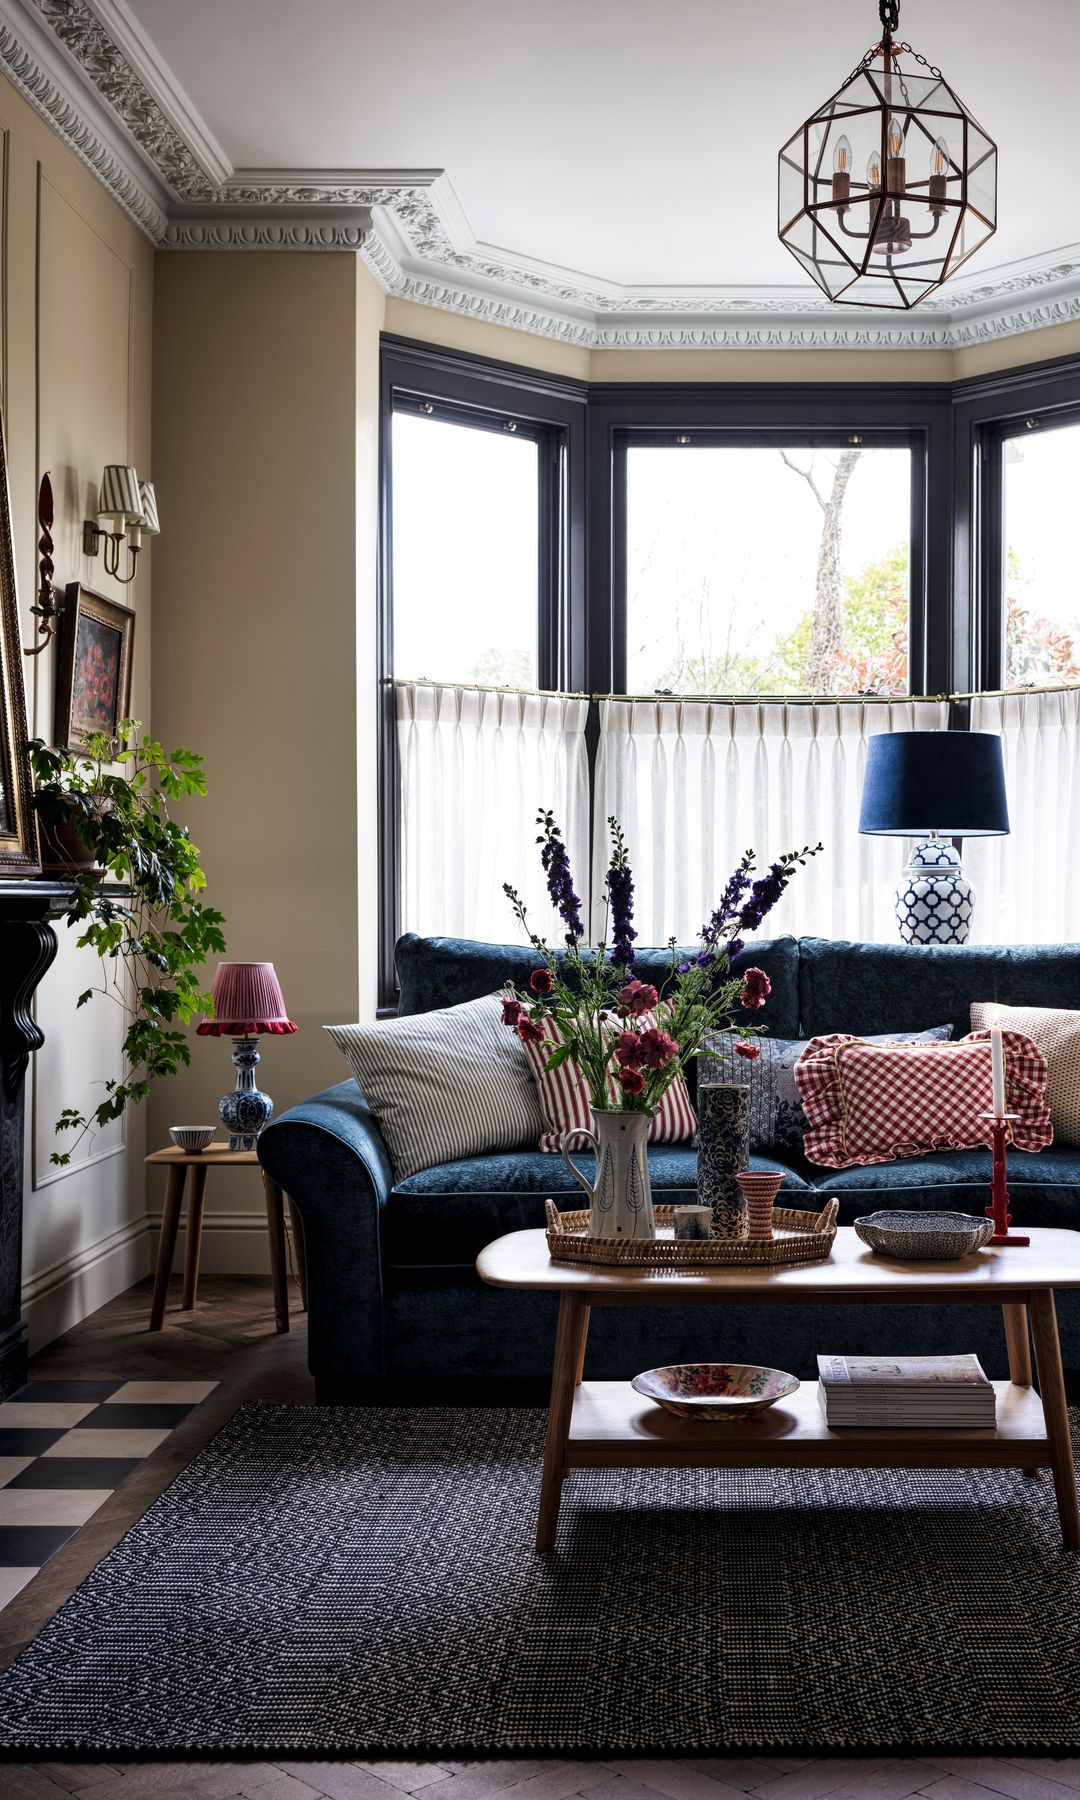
560	884
620	887
727	913
765	893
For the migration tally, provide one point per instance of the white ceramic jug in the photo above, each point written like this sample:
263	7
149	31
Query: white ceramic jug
620	1203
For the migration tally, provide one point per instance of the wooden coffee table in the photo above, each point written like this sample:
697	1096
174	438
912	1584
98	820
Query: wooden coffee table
606	1425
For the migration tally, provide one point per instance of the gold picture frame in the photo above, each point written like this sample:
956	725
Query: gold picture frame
19	855
93	690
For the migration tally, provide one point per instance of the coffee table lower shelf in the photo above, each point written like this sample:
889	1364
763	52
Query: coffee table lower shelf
612	1427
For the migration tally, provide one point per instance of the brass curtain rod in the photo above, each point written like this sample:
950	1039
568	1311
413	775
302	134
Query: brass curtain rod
473	687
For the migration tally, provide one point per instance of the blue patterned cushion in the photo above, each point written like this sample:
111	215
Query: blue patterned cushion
777	1119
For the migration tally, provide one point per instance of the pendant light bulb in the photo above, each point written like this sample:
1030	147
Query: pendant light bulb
939	157
873	169
896	138
841	161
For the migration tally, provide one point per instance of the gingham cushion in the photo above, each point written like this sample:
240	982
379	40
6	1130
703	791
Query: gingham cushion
872	1103
564	1098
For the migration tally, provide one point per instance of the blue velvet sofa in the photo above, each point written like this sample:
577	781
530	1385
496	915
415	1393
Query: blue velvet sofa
393	1294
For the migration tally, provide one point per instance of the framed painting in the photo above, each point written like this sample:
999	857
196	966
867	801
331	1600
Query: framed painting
18	822
93	692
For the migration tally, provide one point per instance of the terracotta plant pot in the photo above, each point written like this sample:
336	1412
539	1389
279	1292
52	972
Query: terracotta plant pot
63	851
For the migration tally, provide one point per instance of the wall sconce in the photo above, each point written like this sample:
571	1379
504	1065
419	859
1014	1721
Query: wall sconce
127	507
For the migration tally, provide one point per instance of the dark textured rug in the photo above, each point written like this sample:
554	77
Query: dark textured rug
344	1580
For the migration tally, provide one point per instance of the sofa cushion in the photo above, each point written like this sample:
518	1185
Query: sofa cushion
1056	1030
867	988
443	1217
1044	1186
437	971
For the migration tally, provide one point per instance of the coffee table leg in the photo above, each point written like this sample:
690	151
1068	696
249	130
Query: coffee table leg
580	1371
170	1224
569	1347
1018	1344
1056	1414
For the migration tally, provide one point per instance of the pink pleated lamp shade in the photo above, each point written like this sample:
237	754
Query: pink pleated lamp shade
247	1002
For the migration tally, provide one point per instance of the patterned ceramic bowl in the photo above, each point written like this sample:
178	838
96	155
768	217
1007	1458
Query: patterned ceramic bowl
721	1391
924	1236
192	1137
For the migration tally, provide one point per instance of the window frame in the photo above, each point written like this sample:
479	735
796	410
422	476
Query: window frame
478	395
626	438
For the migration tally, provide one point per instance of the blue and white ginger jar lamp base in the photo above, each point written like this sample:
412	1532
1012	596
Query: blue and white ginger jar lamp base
246	1110
935	902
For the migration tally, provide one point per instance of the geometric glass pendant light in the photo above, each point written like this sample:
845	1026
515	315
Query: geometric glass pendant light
891	186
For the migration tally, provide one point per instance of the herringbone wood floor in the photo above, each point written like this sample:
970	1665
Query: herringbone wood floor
230	1338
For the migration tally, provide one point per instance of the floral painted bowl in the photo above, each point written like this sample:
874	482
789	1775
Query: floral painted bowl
924	1236
720	1391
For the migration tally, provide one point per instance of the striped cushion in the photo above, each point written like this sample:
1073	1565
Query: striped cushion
564	1098
445	1084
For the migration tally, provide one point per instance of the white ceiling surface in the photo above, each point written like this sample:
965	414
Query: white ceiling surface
626	140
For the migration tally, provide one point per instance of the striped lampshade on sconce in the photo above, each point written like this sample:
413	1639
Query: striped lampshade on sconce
120	501
150	523
247	1001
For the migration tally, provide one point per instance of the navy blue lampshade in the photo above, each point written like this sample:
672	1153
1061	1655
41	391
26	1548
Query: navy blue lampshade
951	782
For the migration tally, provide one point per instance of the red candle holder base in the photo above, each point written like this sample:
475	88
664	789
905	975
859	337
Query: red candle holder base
998	1210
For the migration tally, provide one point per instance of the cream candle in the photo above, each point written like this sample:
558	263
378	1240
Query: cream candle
997	1068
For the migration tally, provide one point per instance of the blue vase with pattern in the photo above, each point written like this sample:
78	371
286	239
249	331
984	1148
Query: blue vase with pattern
246	1110
723	1153
935	901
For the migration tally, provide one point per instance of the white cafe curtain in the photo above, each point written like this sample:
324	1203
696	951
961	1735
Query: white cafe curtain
1027	885
695	783
475	770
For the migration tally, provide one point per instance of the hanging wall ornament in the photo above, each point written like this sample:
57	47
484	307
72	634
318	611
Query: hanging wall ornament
891	186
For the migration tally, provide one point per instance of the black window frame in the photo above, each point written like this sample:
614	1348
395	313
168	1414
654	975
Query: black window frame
914	440
478	395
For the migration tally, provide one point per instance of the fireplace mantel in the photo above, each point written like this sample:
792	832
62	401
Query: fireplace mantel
27	948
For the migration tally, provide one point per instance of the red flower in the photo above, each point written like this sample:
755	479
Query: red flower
756	989
658	1048
511	1011
637	997
529	1031
628	1050
750	1051
540	981
632	1081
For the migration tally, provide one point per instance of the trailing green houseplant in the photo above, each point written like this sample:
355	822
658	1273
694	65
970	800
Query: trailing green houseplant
152	933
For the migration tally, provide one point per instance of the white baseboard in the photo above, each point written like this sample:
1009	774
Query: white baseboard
69	1290
233	1243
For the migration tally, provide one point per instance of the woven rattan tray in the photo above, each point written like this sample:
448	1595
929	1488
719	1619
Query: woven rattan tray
797	1237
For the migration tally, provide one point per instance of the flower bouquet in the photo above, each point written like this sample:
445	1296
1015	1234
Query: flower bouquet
630	1039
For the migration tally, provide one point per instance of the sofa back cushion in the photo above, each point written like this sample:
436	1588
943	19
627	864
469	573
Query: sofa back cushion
872	988
436	971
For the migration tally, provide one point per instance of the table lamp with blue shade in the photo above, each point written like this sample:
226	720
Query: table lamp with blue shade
933	786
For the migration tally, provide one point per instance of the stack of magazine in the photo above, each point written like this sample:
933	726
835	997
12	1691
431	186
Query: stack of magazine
942	1392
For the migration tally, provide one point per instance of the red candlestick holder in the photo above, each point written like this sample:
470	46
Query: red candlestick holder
998	1210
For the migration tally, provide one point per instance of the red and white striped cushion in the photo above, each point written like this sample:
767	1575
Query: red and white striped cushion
564	1098
871	1103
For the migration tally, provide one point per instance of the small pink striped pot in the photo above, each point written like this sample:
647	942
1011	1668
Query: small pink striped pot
760	1188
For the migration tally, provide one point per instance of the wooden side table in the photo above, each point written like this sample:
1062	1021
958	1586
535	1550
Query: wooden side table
188	1169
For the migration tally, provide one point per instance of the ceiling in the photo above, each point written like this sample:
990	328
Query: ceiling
606	169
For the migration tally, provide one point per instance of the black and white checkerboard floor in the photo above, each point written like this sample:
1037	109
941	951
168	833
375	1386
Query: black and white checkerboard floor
64	1447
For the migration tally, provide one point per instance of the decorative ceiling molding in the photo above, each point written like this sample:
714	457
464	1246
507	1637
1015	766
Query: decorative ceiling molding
89	69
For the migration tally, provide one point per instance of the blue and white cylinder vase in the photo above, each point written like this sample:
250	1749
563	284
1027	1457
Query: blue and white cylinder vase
723	1152
935	901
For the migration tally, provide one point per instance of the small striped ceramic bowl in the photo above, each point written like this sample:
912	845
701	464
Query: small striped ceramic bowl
192	1137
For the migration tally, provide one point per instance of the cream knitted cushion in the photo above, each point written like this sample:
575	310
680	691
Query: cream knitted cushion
1057	1034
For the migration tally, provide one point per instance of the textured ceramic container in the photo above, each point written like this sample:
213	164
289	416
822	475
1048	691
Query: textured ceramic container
192	1137
723	1150
924	1236
620	1200
760	1188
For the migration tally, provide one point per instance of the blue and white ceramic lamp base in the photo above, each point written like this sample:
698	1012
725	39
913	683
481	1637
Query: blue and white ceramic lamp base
935	902
246	1109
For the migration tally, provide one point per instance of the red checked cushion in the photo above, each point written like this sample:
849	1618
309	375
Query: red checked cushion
871	1103
564	1099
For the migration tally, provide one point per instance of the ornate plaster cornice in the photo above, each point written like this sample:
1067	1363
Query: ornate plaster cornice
92	73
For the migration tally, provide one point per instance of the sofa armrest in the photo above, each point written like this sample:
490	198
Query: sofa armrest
329	1157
